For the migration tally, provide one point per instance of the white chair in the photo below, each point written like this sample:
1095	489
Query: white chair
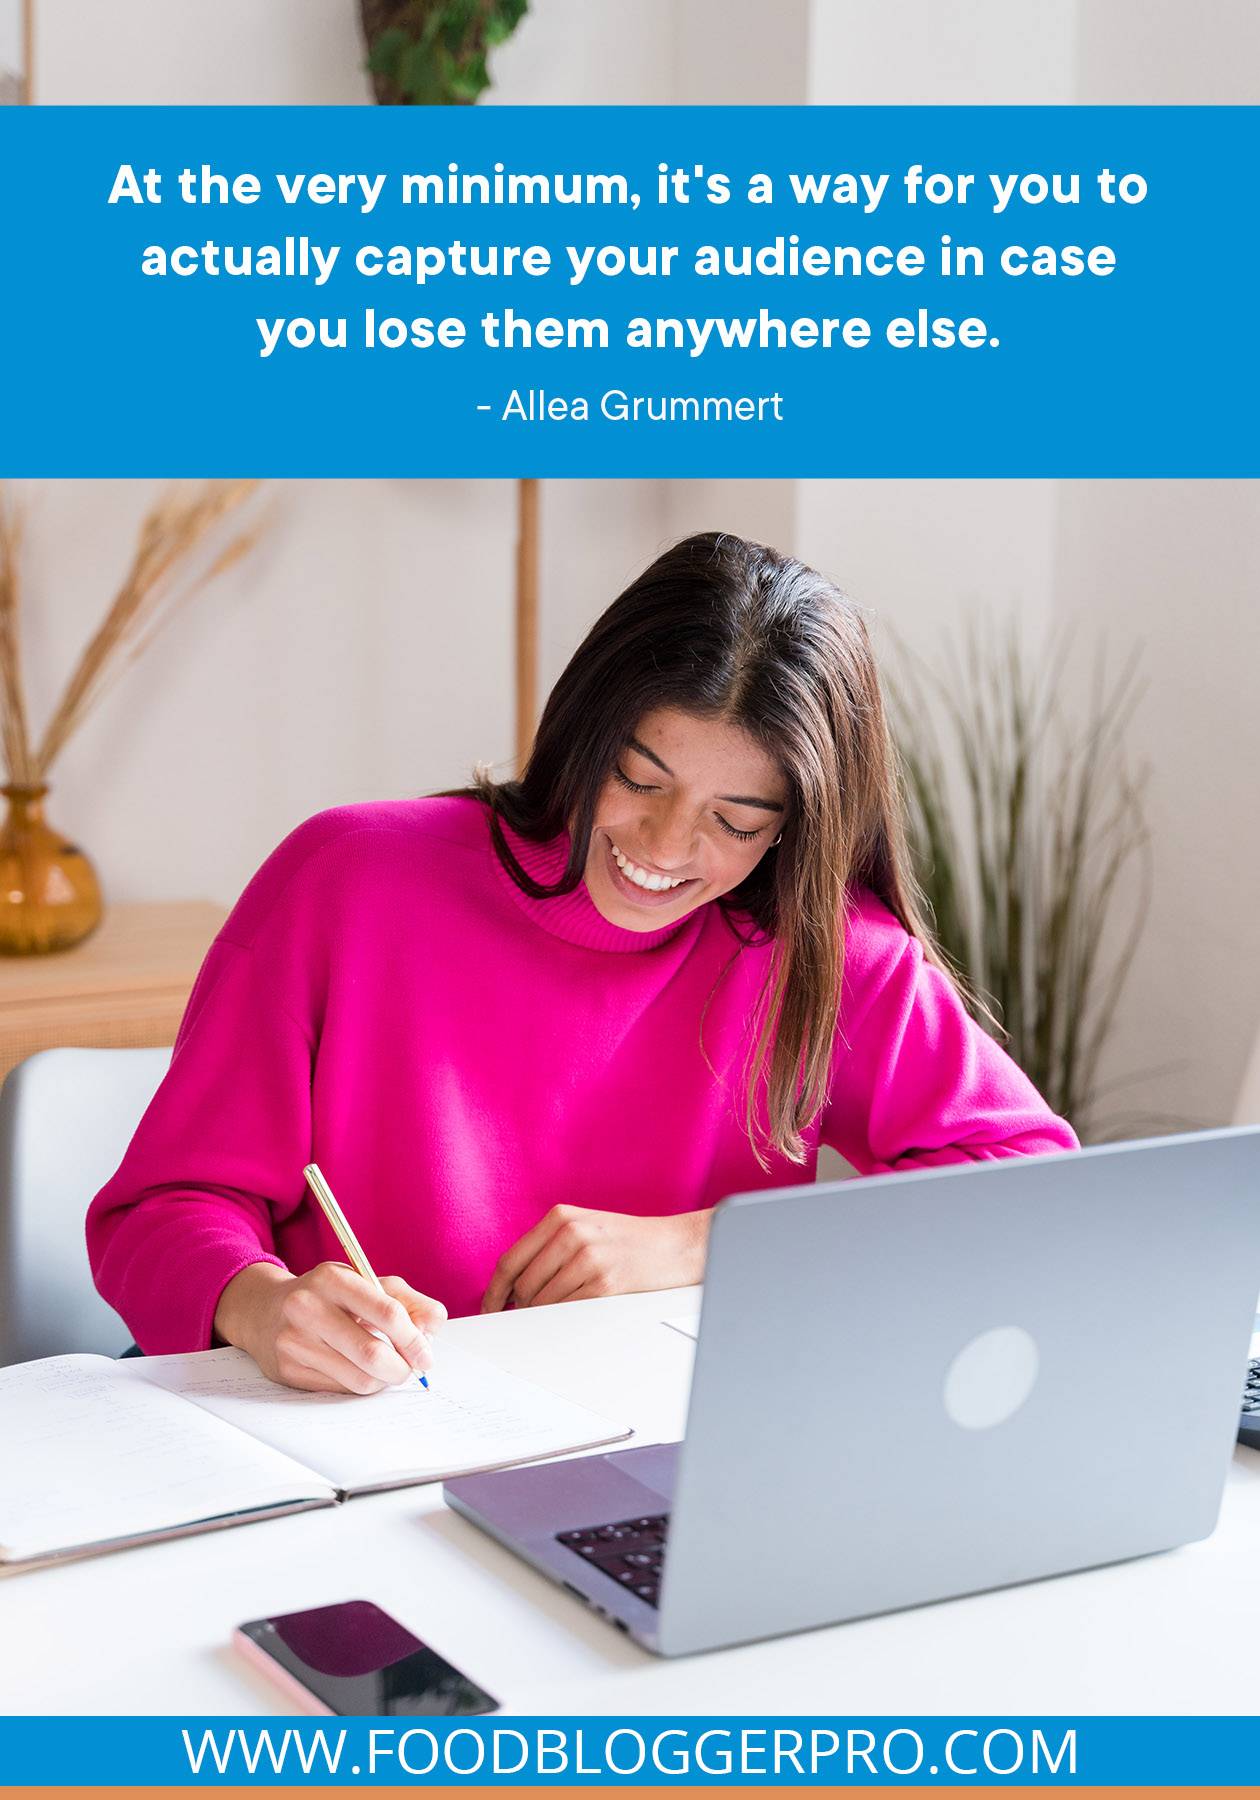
1247	1110
66	1117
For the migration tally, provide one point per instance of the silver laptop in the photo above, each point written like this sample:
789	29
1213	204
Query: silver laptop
921	1385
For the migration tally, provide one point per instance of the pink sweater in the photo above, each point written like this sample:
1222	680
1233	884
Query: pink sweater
458	1058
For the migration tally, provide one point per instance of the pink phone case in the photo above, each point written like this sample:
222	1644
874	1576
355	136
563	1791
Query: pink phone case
301	1696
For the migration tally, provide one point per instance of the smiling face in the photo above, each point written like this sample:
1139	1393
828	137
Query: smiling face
690	808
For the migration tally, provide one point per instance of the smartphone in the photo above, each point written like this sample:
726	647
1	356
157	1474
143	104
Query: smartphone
354	1660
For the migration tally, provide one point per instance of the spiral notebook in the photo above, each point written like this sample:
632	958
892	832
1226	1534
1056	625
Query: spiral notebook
97	1454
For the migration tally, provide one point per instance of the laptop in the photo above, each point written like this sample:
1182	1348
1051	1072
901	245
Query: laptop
914	1386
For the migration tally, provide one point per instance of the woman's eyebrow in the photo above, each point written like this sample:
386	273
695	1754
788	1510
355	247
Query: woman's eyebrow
731	799
633	743
748	800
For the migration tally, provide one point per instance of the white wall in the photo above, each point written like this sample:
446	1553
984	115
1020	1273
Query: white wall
741	52
10	34
927	555
765	511
362	650
588	52
291	52
198	53
1174	567
1168	53
942	52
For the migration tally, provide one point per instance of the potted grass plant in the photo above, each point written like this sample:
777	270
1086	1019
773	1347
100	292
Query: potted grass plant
49	895
1030	842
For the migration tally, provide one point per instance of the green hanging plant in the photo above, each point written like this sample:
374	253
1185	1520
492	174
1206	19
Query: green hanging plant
434	52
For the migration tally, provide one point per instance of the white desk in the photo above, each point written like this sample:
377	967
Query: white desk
147	1630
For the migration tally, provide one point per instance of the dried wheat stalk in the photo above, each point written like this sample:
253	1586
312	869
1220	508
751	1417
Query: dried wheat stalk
179	521
15	740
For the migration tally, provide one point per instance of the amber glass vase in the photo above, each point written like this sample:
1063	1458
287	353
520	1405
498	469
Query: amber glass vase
49	897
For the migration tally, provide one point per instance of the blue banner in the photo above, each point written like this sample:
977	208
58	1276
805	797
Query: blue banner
683	1752
462	291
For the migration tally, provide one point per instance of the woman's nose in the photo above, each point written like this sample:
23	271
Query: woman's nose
668	837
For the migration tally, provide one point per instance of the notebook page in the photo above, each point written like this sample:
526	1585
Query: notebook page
88	1456
473	1416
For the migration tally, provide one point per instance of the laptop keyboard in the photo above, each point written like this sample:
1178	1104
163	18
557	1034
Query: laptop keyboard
1249	1424
1251	1392
631	1551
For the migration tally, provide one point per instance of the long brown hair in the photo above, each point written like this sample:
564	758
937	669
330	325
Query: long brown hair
724	628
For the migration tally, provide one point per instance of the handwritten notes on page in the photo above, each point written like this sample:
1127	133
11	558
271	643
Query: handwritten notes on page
95	1452
88	1457
472	1416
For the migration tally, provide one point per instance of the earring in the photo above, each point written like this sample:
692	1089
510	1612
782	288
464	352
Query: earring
777	841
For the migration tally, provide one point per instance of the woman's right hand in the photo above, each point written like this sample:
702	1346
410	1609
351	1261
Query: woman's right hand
318	1331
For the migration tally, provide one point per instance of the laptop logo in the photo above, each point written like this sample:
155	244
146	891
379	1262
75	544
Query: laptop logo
991	1378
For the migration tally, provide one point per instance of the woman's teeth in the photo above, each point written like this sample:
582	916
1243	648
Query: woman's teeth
655	884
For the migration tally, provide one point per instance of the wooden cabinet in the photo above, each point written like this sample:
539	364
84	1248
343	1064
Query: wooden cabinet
125	988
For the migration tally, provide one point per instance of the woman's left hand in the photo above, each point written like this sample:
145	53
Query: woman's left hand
575	1253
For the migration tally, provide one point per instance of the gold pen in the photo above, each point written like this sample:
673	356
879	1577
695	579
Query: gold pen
345	1237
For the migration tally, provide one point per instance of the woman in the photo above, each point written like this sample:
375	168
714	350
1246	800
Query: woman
534	1032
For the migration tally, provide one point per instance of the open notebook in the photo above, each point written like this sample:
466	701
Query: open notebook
95	1454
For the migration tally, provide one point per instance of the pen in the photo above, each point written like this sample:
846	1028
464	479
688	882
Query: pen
345	1237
